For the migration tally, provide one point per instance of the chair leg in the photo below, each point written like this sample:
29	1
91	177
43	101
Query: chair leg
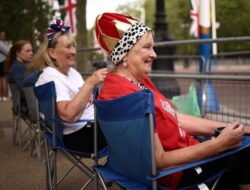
102	182
86	184
216	182
154	185
54	169
28	143
81	166
48	178
38	141
96	181
49	184
32	138
52	180
33	151
16	130
68	171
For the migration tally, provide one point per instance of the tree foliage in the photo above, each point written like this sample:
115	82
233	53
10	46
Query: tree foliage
231	15
25	19
28	19
130	9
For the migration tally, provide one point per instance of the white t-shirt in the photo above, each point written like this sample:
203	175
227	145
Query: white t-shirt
4	49
67	86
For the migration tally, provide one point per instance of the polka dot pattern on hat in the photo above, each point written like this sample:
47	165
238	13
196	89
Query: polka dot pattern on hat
129	39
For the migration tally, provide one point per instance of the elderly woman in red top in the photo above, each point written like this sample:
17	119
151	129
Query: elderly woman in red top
129	44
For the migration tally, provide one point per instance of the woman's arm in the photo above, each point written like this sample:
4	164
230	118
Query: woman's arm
229	138
198	126
72	110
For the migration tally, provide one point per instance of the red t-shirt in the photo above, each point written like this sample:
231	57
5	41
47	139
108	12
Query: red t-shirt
171	135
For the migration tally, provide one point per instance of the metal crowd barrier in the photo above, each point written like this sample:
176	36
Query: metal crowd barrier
221	97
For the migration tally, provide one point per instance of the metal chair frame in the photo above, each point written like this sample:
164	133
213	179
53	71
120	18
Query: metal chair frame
17	117
36	130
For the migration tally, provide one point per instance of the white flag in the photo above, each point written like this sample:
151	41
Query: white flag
70	18
194	15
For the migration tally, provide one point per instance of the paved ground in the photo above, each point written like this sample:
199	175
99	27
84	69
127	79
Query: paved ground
20	171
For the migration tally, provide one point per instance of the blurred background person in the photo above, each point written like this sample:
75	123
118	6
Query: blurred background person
19	56
4	49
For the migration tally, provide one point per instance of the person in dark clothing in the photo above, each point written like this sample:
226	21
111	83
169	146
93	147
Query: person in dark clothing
18	57
4	49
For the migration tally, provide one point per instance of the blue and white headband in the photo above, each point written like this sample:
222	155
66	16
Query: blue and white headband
56	26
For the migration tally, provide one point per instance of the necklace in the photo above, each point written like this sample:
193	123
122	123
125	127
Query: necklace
124	75
139	84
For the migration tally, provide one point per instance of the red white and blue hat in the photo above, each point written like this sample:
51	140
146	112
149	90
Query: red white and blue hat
56	26
117	34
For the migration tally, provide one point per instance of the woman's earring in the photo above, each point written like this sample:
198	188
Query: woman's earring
124	63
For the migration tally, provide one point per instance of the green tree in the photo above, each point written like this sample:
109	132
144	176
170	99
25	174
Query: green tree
177	17
25	19
129	9
232	16
149	6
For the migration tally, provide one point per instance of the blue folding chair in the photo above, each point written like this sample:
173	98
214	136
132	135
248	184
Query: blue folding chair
36	133
19	113
46	96
128	126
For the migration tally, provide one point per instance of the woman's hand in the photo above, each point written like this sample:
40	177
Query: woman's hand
231	135
97	77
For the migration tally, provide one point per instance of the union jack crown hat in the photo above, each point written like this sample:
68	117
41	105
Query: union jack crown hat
117	34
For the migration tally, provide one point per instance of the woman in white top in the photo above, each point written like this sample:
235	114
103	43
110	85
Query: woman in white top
74	95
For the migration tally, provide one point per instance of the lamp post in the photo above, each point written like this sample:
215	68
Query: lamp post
206	92
163	65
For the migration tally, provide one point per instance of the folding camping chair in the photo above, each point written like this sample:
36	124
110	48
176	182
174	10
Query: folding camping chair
46	96
18	113
35	129
36	134
128	127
